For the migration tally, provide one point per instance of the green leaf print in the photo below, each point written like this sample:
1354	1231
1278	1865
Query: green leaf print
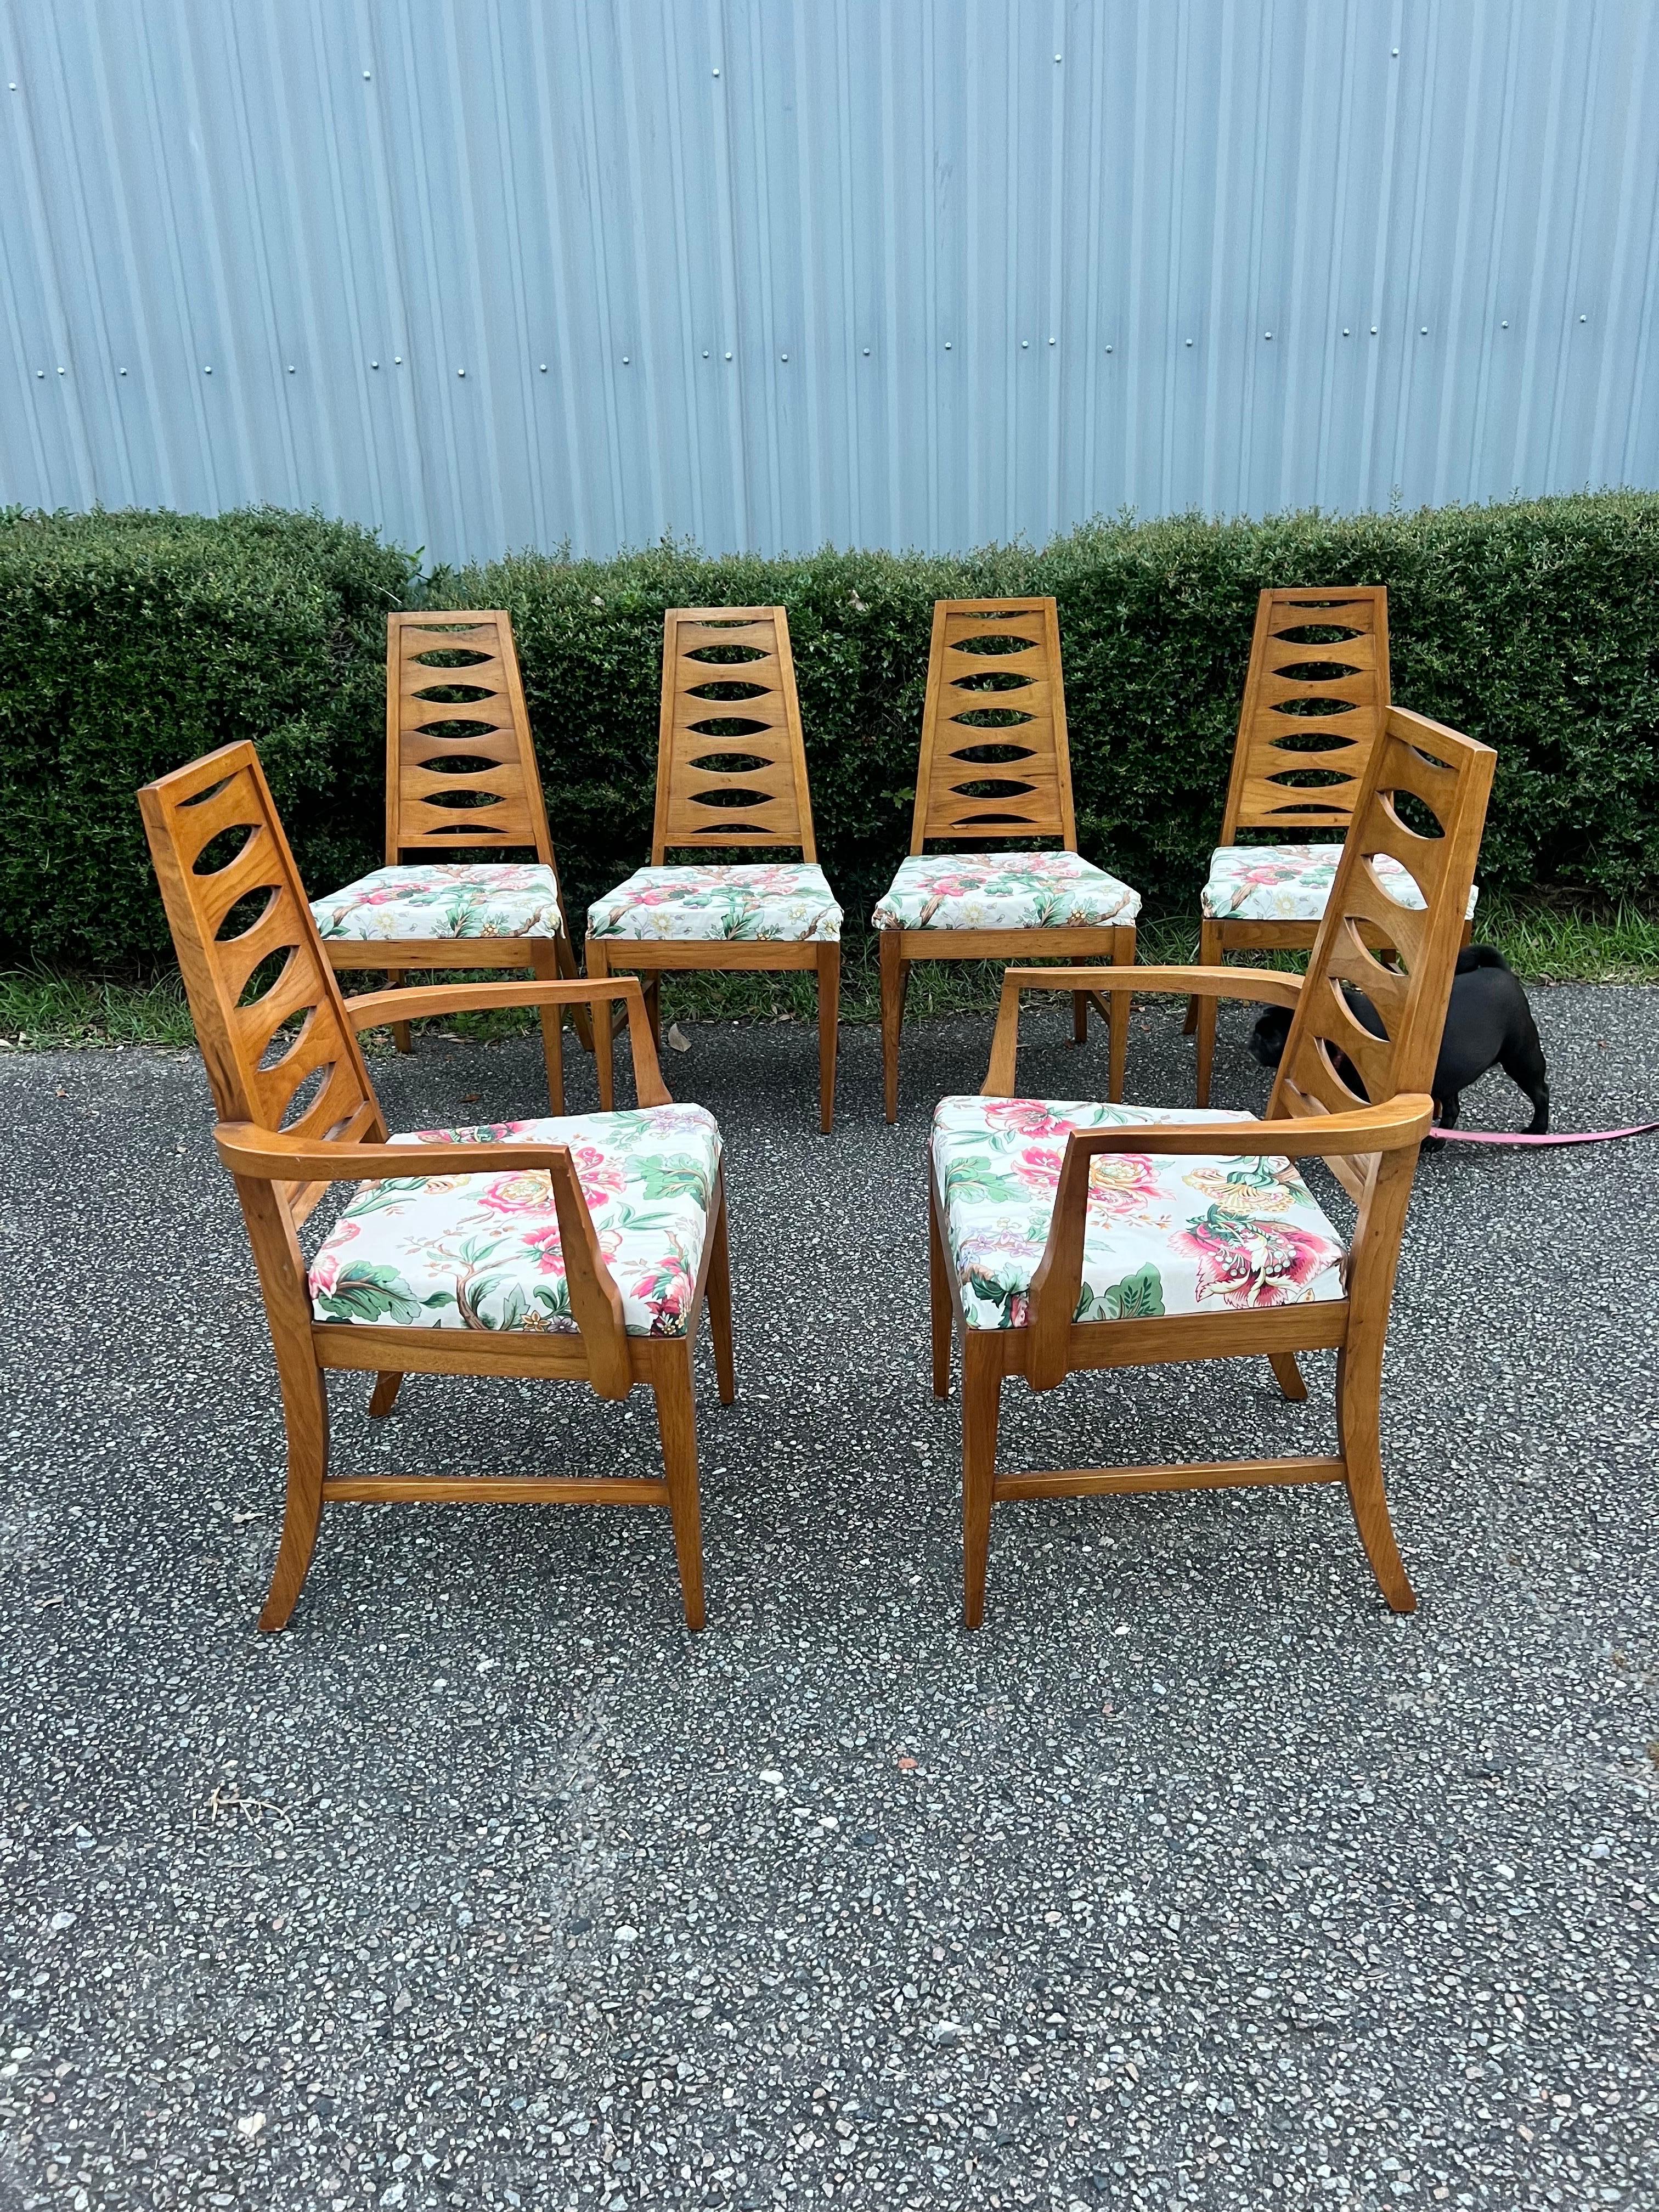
366	1291
981	1180
1138	1297
670	1174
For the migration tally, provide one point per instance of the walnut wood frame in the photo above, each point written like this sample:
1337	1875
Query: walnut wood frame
415	821
1371	1148
1256	799
946	808
339	1134
690	815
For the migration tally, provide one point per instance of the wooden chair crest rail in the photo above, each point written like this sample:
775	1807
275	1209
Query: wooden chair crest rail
461	777
297	1112
730	773
1315	702
995	765
1257	1267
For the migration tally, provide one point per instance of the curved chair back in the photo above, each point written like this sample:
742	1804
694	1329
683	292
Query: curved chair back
460	772
1446	780
994	757
728	696
1315	699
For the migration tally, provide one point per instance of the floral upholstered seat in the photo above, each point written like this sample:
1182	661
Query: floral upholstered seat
1183	1234
1003	891
1289	883
783	902
441	899
482	1251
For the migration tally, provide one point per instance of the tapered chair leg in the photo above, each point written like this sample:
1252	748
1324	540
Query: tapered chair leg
720	1302
570	972
828	1020
1359	1433
1079	1017
1122	1004
544	965
385	1397
403	1034
892	1017
939	1298
305	1410
981	1403
1209	956
677	1424
605	1056
1288	1376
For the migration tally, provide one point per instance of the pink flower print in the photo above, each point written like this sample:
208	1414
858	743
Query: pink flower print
1025	1117
527	1192
1255	1263
326	1271
1121	1184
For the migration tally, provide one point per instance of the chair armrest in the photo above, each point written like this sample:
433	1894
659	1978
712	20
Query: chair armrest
271	1156
1265	984
371	1009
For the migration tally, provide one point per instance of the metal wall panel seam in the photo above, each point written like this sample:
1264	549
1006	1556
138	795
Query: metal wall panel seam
1619	273
71	429
660	358
1515	37
188	337
519	385
1542	258
605	347
1376	291
680	68
274	400
890	338
1574	287
729	346
579	528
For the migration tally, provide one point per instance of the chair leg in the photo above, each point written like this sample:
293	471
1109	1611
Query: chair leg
892	1017
1288	1376
677	1424
403	1035
569	973
828	1020
544	966
304	1412
1079	1017
385	1397
605	1044
1210	954
939	1297
1358	1419
720	1302
982	1402
651	985
1122	1004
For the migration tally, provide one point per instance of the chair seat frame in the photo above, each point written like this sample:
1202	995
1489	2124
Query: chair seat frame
948	809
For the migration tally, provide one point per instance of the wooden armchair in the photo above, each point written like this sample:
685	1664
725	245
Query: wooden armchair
731	771
1315	702
1066	1236
580	1249
460	775
995	765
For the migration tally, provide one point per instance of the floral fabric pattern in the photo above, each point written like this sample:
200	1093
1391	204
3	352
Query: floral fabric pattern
1289	883
1165	1235
1003	891
482	1251
790	903
441	899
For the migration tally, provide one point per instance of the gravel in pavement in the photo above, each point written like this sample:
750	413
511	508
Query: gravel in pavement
1194	1879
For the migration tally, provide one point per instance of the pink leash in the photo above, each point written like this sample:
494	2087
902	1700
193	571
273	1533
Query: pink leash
1578	1137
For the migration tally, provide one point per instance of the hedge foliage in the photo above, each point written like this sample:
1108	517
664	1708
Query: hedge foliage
129	643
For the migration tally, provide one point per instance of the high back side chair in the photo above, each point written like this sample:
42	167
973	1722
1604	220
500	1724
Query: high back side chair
1067	1236
460	775
731	771
579	1249
1315	702
995	765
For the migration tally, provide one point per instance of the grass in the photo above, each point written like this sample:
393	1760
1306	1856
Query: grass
1545	940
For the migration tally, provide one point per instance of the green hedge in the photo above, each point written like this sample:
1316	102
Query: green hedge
129	643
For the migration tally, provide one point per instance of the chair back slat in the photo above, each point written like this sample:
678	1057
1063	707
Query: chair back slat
460	772
1449	778
1315	698
279	1047
995	762
731	758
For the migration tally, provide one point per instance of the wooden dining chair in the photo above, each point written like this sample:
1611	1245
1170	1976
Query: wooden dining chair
460	777
1066	1236
576	1250
730	773
1315	701
995	765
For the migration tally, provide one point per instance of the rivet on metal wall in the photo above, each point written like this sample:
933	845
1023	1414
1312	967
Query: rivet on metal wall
1056	56
947	346
866	354
1373	329
783	356
40	371
1024	343
1345	333
1109	348
123	372
365	76
544	368
728	357
397	360
715	72
705	353
1051	341
461	371
207	368
1584	319
290	369
624	361
374	364
1423	332
60	370
1266	334
1504	327
1189	341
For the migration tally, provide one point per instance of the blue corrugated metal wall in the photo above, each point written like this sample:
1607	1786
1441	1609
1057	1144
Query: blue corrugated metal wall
774	272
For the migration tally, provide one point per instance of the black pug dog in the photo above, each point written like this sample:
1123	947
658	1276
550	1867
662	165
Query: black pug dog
1488	1024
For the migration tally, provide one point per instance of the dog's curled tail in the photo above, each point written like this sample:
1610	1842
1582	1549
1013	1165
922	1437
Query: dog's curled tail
1481	955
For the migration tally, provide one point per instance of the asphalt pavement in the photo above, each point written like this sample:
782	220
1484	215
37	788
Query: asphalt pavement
1194	1879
